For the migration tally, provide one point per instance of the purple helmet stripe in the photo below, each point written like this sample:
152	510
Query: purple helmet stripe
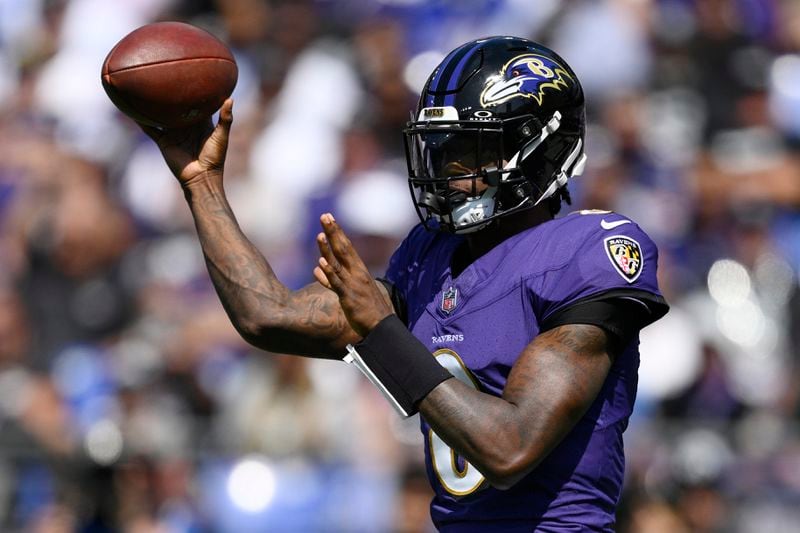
443	78
434	84
453	82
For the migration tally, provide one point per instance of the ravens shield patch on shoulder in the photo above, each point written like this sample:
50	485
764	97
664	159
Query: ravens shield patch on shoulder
626	256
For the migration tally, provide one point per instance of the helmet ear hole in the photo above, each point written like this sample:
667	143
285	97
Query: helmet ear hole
529	128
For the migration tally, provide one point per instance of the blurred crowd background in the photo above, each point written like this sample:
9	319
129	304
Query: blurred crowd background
127	401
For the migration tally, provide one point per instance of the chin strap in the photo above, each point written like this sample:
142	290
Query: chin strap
473	211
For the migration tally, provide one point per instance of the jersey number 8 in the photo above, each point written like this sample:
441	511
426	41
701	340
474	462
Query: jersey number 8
456	475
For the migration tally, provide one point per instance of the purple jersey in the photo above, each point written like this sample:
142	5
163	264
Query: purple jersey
478	323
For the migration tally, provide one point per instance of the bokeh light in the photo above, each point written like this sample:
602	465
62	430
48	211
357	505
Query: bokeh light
252	484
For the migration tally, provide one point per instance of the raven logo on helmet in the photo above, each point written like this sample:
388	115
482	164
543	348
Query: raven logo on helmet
528	76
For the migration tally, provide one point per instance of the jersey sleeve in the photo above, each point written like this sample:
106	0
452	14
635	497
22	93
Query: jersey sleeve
616	266
621	318
397	273
400	278
395	279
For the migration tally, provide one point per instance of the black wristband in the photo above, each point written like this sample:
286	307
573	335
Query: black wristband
398	364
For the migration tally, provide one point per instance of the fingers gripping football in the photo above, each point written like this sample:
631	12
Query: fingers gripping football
341	270
195	150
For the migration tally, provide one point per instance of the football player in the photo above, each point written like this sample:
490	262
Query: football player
513	333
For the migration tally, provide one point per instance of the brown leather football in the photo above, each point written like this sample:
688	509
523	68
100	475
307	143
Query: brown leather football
169	74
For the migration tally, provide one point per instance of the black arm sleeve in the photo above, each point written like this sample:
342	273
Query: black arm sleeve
622	313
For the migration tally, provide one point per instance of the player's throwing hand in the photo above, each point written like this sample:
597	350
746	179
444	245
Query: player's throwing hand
342	270
195	151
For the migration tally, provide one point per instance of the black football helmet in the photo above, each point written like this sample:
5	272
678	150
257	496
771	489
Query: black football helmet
502	110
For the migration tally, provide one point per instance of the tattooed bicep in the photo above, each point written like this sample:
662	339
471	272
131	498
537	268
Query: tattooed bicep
564	367
579	339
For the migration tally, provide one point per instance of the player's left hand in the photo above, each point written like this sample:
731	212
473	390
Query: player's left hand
342	271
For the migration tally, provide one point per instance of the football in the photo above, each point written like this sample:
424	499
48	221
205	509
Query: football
169	74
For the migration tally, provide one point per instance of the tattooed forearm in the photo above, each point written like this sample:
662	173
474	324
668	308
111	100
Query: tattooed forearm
263	310
552	384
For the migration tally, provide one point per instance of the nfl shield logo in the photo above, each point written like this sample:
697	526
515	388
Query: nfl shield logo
449	300
626	256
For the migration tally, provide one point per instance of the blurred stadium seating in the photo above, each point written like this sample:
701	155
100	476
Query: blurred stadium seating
127	401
